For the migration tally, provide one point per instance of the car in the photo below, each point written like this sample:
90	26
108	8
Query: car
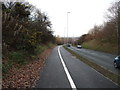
79	46
117	62
68	45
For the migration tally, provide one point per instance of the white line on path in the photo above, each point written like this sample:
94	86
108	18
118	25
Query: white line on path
66	71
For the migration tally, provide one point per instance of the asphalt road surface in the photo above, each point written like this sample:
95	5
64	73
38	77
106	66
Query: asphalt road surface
62	70
103	59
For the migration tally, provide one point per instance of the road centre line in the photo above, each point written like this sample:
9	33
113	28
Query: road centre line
72	84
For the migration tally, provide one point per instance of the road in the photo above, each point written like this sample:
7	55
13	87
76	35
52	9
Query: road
62	70
103	59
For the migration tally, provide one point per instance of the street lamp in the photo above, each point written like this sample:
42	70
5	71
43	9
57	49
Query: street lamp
67	26
118	28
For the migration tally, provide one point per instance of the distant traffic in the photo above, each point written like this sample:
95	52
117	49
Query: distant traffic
116	60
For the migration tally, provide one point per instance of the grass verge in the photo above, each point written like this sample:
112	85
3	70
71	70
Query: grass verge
114	77
101	46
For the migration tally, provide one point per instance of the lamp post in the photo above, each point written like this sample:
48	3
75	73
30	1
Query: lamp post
118	28
67	26
64	36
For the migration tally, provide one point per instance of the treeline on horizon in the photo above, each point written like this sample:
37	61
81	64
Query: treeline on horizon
109	31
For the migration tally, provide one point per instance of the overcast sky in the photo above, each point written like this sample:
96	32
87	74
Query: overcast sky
84	14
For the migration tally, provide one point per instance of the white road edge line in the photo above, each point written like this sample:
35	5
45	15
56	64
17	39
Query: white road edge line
66	71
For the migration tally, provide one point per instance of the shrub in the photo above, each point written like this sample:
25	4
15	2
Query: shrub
5	68
40	49
50	45
18	57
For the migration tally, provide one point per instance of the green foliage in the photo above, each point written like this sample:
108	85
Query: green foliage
40	49
21	10
50	45
25	32
18	57
22	31
6	67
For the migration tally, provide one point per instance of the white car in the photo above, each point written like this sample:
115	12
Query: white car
79	46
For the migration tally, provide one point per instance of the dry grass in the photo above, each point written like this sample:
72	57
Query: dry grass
100	46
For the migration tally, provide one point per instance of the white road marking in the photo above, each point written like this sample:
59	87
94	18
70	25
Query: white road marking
66	71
